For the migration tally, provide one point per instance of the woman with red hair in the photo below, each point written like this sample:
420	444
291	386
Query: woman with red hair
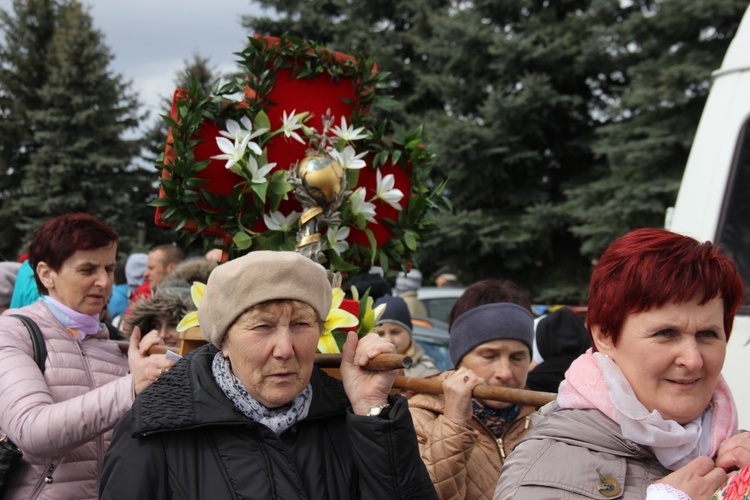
61	412
645	413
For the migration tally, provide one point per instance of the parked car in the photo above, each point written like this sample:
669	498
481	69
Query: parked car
439	300
432	335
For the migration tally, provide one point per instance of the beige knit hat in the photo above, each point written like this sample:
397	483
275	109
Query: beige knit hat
237	285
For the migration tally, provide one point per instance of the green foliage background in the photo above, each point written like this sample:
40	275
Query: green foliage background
559	125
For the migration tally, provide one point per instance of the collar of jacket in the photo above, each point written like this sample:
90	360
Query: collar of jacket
187	396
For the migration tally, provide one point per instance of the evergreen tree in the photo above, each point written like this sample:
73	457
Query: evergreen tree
559	124
668	51
81	162
27	32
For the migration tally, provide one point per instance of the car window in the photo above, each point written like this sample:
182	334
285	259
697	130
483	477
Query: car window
734	225
439	308
438	352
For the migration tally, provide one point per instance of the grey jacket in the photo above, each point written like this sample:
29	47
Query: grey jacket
577	454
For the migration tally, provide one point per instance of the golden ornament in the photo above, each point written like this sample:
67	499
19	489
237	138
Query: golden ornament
322	176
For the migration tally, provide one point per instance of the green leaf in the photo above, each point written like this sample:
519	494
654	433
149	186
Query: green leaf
161	202
338	263
410	240
395	156
373	245
413	144
262	121
384	261
260	190
243	241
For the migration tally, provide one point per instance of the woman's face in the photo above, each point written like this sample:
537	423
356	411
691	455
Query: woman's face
272	349
84	281
395	334
167	329
671	356
502	363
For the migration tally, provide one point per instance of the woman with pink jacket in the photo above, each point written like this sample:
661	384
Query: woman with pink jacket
62	419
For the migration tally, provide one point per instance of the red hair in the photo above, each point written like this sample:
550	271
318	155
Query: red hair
57	239
647	268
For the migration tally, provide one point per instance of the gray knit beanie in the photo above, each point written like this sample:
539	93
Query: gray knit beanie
237	285
396	311
498	321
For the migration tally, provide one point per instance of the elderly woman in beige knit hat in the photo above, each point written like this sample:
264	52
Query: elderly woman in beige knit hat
250	416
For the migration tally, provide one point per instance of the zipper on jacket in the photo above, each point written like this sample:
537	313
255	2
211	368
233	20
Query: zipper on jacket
499	441
46	478
80	348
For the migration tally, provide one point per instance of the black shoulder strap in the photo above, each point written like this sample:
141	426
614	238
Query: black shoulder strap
37	340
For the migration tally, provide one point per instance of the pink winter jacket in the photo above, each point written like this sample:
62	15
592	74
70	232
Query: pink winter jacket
61	420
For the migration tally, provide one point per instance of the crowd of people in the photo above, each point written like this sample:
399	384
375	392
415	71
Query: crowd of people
642	411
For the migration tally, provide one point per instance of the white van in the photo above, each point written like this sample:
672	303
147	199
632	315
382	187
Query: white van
713	202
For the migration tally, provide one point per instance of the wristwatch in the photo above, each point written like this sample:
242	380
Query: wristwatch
379	411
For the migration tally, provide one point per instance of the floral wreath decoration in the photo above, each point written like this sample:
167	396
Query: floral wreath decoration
298	163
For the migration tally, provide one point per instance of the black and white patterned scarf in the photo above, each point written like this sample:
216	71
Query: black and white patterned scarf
278	420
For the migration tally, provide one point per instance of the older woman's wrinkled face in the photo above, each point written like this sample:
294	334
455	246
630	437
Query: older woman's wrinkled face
271	348
671	356
84	281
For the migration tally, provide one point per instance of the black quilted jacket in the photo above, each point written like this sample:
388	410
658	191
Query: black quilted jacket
183	439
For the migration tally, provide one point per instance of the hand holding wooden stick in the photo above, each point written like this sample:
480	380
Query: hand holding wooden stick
382	362
399	361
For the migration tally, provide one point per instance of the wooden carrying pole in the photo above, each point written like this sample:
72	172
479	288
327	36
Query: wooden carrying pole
491	392
384	362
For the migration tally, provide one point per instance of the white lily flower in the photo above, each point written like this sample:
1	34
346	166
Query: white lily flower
349	133
232	151
292	123
258	174
348	159
234	131
386	192
362	207
246	134
279	222
336	237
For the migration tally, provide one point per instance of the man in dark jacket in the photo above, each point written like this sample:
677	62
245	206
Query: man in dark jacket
228	420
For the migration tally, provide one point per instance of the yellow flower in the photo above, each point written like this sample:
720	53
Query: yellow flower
371	316
191	319
337	318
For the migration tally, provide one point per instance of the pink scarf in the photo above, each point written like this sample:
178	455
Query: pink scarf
594	381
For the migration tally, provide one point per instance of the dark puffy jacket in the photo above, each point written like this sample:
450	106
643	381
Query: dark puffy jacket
184	439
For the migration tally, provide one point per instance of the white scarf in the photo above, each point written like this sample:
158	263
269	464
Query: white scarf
595	381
